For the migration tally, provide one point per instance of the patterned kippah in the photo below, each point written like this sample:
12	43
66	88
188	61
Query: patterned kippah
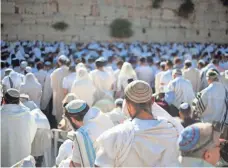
138	91
189	138
212	74
76	106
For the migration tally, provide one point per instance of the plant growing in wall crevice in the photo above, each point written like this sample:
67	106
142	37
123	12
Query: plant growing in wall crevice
186	8
121	28
60	26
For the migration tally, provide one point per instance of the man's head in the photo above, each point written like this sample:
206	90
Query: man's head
200	140
187	64
40	65
212	76
162	66
119	103
138	95
169	65
23	65
75	112
63	60
176	73
12	96
142	61
184	111
47	65
72	69
100	62
120	64
201	64
215	62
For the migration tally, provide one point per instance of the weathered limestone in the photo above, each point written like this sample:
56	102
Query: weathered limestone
90	20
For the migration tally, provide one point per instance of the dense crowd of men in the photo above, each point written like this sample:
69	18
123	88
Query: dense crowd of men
122	104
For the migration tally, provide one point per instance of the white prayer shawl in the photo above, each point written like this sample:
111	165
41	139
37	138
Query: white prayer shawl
193	75
30	104
95	123
210	103
98	77
146	74
58	92
16	81
117	116
65	151
32	88
68	81
122	81
41	75
138	143
158	82
47	92
183	91
18	129
166	77
84	89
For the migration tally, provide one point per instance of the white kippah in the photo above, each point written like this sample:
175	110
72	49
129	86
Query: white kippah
184	106
187	61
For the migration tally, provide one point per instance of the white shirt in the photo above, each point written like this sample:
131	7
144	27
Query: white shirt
166	77
68	81
146	74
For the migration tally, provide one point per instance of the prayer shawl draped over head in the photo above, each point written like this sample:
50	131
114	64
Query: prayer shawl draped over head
32	88
14	80
18	128
58	92
193	75
41	75
166	77
98	77
209	105
83	87
95	123
126	72
47	92
183	91
140	142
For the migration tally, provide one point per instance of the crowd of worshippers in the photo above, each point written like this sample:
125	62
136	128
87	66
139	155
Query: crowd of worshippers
122	104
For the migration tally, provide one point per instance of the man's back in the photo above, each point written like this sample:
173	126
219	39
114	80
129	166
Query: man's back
18	130
193	75
138	143
145	73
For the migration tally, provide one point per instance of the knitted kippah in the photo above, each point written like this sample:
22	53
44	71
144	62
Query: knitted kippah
138	91
76	106
189	138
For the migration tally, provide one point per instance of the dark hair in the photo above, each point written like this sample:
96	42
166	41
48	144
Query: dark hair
72	68
177	60
215	61
120	63
150	60
99	64
119	104
3	64
130	80
9	100
15	63
169	63
163	67
142	60
188	64
78	116
40	65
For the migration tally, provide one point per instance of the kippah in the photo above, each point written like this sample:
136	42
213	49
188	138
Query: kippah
47	63
23	64
118	101
202	61
176	72
187	61
184	106
138	91
76	106
162	64
101	59
189	138
12	95
212	74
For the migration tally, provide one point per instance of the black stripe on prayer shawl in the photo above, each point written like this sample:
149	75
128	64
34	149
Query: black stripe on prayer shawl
200	103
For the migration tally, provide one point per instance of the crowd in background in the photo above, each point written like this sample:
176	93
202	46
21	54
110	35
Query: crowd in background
81	86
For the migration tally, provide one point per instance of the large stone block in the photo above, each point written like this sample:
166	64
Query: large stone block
50	8
28	19
121	12
156	35
11	19
90	20
8	7
168	15
42	19
170	4
145	22
156	14
12	37
107	11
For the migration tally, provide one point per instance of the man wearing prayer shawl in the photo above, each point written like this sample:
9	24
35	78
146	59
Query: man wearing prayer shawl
41	74
211	104
144	72
158	77
98	77
199	145
166	77
142	141
56	84
33	88
182	90
83	87
192	74
88	124
69	80
18	129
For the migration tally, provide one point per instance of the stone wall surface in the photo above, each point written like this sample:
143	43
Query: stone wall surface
90	19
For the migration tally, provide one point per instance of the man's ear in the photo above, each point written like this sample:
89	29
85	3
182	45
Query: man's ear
206	155
152	100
